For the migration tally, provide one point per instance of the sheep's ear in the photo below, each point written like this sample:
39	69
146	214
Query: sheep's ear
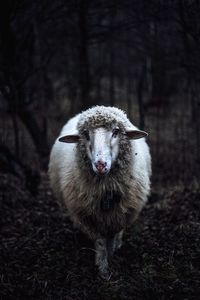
71	138
136	134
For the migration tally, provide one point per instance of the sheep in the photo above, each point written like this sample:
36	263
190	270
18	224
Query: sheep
100	167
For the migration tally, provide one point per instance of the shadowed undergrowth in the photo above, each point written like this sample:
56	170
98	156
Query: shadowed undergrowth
43	257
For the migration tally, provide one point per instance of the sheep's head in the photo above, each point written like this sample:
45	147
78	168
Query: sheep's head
101	145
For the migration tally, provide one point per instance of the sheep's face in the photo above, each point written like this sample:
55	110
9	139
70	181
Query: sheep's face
102	145
102	148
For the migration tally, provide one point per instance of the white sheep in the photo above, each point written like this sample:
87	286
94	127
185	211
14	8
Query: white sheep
100	166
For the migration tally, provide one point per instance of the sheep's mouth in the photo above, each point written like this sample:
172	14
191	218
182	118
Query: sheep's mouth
102	173
101	168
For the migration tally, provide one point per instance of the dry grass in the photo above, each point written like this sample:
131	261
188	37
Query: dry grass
43	257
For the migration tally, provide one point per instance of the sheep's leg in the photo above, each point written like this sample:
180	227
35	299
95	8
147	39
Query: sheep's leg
110	243
101	258
104	251
114	243
118	239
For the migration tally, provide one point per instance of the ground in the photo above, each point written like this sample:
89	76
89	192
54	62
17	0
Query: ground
43	257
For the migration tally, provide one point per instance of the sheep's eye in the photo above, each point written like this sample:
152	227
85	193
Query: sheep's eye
86	135
115	132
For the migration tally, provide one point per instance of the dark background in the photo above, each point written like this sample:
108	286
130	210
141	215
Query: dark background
58	58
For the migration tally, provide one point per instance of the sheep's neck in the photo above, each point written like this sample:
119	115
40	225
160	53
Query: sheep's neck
109	200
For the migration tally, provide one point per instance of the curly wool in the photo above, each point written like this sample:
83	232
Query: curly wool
101	116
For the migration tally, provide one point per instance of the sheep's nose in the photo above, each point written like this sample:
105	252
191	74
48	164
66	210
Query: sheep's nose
101	166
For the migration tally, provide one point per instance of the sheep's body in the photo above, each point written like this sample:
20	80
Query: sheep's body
102	206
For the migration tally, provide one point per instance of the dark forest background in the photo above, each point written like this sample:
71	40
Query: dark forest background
58	58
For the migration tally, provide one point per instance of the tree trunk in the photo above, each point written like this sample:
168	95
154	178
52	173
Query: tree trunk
16	134
84	72
14	95
38	136
140	88
192	81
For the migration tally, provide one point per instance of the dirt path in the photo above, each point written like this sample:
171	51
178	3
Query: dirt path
43	257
